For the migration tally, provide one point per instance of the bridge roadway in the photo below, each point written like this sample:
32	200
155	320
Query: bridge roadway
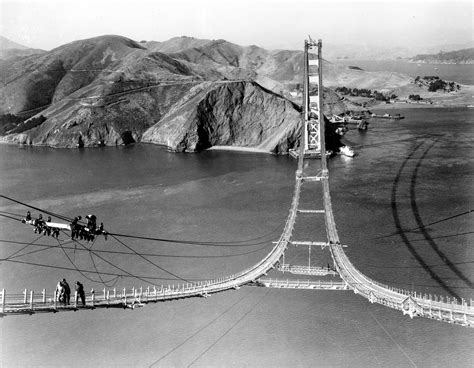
408	302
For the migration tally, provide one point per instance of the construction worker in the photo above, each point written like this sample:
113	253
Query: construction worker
80	293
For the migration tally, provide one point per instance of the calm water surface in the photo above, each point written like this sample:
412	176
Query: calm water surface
460	73
401	206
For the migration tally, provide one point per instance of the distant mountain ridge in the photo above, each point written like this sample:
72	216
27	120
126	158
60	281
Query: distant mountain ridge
174	44
10	49
5	43
464	56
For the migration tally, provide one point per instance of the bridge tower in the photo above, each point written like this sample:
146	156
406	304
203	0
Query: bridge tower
310	214
313	130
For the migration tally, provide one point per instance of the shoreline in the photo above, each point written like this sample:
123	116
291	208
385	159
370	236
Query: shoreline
393	106
239	149
213	148
381	106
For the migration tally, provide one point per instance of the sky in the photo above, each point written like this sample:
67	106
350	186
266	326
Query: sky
271	24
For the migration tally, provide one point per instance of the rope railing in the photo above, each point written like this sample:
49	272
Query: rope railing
379	292
385	294
307	284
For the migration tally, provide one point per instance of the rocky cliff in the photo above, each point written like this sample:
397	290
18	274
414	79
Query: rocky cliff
185	117
228	113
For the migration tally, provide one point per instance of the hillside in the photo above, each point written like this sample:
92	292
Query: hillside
174	44
464	56
273	69
36	81
279	70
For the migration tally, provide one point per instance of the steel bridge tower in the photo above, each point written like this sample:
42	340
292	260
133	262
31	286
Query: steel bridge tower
313	129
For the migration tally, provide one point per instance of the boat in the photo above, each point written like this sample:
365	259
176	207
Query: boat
308	153
388	116
351	120
336	119
347	151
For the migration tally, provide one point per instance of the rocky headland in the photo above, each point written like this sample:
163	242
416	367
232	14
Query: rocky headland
464	56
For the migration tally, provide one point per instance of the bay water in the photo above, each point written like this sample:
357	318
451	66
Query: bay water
401	205
459	73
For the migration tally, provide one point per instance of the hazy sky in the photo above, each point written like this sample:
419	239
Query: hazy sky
271	24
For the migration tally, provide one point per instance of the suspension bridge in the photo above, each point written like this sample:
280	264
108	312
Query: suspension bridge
311	174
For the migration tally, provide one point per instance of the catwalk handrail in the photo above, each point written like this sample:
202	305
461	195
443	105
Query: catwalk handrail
409	302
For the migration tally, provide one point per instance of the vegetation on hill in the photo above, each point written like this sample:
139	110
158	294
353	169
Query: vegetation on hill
364	92
13	124
8	122
415	97
434	83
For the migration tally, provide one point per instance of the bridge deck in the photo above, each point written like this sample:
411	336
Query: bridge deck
303	284
306	270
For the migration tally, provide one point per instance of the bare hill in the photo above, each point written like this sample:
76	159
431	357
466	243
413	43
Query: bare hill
175	44
279	69
36	81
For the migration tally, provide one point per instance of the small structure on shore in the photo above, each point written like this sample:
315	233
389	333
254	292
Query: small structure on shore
361	122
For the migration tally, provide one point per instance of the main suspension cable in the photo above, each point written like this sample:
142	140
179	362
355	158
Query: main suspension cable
47	246
65	218
236	243
127	274
195	242
151	262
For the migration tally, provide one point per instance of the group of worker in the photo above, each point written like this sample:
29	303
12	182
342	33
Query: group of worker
63	293
41	226
78	230
89	231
